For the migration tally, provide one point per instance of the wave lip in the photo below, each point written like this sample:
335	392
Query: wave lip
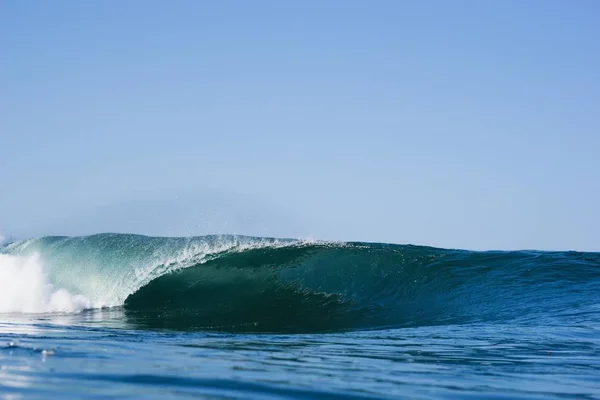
107	268
238	283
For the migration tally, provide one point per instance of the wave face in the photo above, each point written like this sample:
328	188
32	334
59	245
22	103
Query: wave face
238	283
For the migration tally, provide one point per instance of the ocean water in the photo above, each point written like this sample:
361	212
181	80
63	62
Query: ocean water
235	317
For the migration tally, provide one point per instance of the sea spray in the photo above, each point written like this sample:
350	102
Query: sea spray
25	288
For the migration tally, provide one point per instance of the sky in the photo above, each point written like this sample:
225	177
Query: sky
462	124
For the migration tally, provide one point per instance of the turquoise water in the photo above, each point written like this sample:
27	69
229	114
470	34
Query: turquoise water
224	317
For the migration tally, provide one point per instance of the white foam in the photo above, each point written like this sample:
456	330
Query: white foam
25	288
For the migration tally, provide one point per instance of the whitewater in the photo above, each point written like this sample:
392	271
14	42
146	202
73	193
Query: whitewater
229	316
25	288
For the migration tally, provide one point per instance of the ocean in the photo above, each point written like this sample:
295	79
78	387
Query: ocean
238	317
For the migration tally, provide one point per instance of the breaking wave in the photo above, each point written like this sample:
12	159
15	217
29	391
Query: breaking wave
240	283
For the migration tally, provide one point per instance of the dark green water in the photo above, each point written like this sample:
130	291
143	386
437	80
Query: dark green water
239	317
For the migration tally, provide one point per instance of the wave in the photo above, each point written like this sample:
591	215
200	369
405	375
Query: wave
240	283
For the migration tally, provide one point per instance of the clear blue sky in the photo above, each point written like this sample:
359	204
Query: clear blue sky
472	124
